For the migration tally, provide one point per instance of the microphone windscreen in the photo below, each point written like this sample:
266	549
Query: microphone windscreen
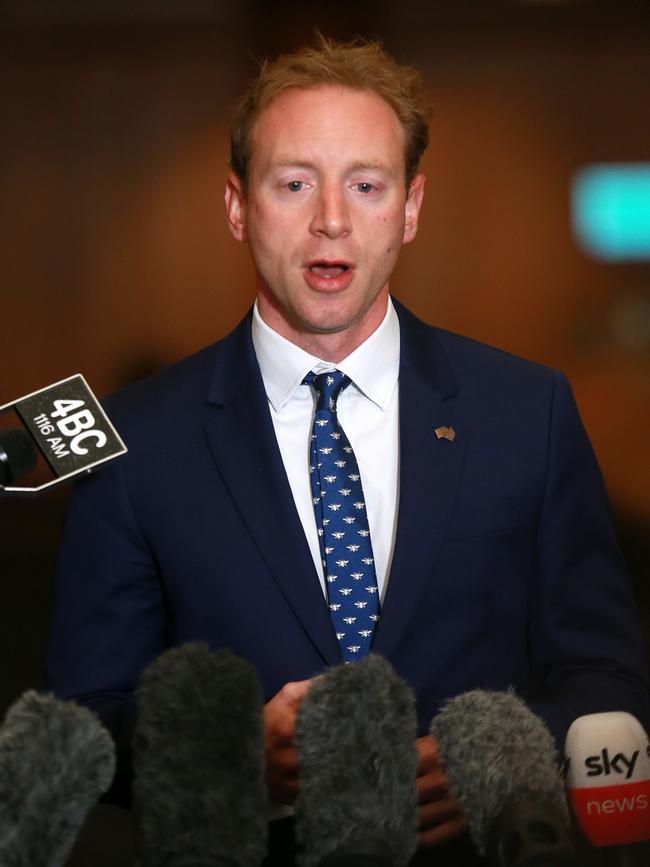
56	760
495	750
199	760
17	455
608	777
355	735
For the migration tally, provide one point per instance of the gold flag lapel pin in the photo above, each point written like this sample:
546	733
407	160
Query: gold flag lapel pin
445	433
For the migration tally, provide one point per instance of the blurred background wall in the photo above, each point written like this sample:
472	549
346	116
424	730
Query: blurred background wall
115	258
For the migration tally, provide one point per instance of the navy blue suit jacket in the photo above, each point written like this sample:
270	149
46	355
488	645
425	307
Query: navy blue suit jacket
505	571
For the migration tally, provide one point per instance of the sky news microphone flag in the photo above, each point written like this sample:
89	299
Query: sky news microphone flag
608	778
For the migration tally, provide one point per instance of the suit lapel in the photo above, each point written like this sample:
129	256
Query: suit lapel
245	450
430	470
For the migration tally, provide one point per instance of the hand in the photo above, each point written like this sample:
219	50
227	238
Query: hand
281	755
441	816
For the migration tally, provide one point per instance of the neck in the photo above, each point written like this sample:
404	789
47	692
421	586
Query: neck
331	346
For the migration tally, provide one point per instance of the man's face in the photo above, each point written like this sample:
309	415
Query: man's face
325	214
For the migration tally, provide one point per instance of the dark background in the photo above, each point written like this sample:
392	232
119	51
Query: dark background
115	258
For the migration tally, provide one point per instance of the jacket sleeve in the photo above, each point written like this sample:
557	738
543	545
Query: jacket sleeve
586	649
109	613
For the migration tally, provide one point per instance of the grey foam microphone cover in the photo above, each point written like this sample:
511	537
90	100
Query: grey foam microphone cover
496	751
357	799
56	760
198	746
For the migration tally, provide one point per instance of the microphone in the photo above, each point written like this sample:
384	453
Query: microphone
68	426
56	759
357	800
608	782
17	455
500	759
199	792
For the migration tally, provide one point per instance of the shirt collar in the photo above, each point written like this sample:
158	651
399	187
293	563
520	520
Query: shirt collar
373	367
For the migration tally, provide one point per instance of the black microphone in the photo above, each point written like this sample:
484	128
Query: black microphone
199	790
357	800
68	426
502	766
56	760
17	455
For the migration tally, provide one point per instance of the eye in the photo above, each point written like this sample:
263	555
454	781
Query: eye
365	187
295	186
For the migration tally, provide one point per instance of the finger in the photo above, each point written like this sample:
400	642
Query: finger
290	792
282	791
428	756
439	812
293	692
281	775
278	731
432	787
283	761
442	833
280	712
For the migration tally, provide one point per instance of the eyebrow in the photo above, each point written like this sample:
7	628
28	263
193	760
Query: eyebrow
288	161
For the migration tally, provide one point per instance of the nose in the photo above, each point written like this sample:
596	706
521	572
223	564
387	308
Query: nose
331	215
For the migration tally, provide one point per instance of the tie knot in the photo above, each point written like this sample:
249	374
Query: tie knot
328	387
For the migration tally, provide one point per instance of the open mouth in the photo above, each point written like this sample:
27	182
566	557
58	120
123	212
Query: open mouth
329	275
328	269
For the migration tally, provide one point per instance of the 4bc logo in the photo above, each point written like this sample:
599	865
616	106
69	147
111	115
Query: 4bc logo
69	426
77	424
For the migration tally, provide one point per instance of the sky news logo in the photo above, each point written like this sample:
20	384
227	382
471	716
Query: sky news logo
607	763
613	815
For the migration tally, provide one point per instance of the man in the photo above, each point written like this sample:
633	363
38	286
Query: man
487	539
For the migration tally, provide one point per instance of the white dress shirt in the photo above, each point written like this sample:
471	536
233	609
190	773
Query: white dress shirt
368	413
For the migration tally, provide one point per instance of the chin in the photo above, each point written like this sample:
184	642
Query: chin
332	323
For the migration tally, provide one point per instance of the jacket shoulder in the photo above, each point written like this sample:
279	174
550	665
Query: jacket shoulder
184	385
469	362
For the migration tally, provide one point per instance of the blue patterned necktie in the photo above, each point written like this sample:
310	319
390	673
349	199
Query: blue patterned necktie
342	523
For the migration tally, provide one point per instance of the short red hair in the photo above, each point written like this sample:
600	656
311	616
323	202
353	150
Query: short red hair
357	65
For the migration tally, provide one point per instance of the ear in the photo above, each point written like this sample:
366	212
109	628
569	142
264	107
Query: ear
412	208
236	207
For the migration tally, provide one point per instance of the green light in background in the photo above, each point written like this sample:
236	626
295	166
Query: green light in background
611	211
